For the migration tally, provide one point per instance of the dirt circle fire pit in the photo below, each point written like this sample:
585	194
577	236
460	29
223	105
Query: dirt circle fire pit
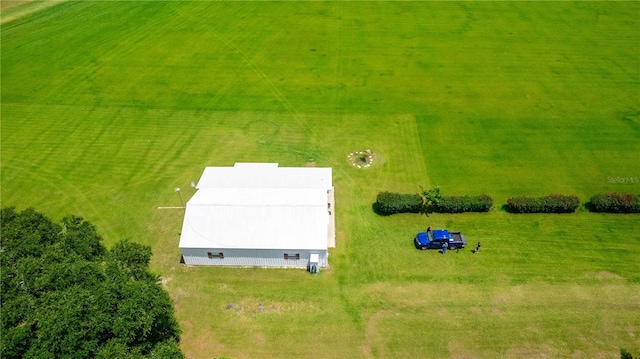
362	159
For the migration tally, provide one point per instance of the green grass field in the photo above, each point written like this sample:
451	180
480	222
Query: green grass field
108	106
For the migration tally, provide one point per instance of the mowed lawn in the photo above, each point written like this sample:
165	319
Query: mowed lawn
108	106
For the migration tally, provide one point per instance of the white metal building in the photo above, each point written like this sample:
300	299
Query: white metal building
259	214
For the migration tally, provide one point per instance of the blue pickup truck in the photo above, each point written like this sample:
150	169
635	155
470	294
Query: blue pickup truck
433	239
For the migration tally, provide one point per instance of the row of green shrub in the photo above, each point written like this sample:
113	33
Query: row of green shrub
391	203
553	203
460	204
615	203
388	203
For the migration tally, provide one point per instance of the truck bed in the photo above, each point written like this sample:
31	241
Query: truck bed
459	238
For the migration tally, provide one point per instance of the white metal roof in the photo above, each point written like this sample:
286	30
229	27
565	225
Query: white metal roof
248	206
294	197
265	175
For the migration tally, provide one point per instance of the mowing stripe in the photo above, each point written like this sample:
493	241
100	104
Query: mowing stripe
27	9
265	79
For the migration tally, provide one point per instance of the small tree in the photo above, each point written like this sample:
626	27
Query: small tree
432	198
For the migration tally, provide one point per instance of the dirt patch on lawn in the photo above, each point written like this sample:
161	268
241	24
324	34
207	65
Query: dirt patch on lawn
609	277
7	4
370	333
199	345
21	9
252	308
457	350
542	351
501	298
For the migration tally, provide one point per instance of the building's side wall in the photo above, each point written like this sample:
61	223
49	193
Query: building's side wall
251	257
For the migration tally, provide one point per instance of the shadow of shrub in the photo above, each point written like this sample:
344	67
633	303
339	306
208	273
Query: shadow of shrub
375	207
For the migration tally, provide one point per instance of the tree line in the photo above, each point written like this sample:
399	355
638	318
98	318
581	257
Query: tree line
64	295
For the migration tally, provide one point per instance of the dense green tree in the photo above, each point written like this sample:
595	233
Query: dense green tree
65	296
81	237
116	348
15	341
26	233
624	354
133	258
70	323
167	350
